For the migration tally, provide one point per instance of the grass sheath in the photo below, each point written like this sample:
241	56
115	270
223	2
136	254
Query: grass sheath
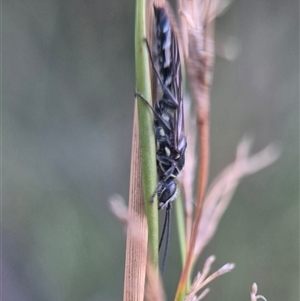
146	134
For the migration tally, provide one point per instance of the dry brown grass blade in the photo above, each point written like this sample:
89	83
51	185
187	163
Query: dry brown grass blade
137	231
154	287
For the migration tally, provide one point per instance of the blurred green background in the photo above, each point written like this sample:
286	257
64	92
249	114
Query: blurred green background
67	114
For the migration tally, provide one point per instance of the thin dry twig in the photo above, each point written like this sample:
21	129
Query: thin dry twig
222	189
188	174
253	296
203	294
198	37
202	280
119	209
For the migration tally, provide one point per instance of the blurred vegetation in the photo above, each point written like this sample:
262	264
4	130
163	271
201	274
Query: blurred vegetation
67	114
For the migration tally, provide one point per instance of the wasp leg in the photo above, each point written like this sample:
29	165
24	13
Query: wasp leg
157	116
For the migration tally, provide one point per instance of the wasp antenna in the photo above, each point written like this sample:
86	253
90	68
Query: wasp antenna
163	230
168	228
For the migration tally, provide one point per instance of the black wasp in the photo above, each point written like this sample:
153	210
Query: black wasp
168	116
